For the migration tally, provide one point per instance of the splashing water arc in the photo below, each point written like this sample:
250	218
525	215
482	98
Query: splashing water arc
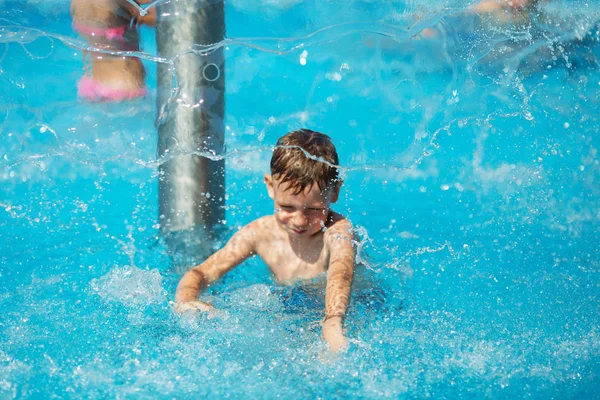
469	145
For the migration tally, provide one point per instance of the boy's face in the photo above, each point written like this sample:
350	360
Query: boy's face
304	214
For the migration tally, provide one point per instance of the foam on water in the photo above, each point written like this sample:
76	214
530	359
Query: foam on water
130	286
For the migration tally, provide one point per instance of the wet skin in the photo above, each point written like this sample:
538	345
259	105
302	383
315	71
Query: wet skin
301	240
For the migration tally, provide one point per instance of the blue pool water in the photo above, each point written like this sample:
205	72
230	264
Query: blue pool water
471	171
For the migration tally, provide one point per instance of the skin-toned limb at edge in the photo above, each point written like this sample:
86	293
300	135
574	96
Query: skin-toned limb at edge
506	11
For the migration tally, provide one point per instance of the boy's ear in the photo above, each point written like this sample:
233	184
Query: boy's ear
336	192
269	184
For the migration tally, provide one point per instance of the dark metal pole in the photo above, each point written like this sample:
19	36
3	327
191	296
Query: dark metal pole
191	105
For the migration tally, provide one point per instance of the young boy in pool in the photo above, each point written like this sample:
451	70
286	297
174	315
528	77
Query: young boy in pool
301	240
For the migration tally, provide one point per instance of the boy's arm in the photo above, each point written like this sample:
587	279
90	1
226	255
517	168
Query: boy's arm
196	280
342	253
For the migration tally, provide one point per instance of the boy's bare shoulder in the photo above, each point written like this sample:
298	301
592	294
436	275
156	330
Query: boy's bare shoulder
252	236
263	233
261	227
340	239
338	227
253	228
262	223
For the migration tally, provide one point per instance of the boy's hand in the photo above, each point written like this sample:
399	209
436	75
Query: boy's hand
334	334
194	305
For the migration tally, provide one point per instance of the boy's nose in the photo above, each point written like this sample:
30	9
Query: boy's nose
300	220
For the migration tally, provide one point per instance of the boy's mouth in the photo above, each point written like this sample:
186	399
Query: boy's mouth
298	231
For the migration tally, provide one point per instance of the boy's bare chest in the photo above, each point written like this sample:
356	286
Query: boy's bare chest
289	264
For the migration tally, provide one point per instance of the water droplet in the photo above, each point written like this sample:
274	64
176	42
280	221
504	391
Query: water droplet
303	57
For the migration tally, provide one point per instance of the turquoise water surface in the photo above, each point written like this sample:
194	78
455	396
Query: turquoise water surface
471	171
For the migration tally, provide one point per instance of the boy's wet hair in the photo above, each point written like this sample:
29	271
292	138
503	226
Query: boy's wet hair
290	163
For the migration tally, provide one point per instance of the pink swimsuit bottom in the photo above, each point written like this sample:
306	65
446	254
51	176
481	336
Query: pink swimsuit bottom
116	33
90	89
